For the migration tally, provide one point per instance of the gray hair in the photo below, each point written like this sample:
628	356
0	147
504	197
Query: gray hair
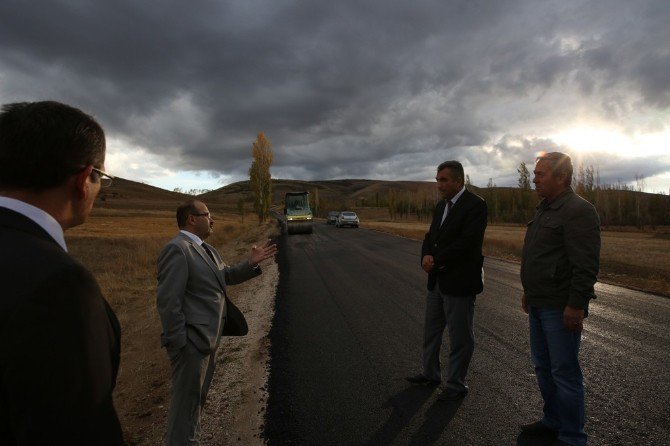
559	163
456	169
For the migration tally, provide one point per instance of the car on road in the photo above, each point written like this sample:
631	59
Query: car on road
332	217
347	218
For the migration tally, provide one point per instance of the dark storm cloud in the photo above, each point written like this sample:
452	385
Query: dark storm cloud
375	89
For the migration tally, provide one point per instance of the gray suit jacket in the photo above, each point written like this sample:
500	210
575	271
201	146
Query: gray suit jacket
191	293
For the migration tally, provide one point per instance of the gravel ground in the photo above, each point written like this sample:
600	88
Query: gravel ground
235	407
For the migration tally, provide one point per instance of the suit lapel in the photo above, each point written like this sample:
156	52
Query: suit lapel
205	258
215	269
455	209
437	218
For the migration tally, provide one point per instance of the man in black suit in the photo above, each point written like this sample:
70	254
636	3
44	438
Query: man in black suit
451	254
60	340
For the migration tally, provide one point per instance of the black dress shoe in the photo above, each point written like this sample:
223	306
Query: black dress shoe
420	379
558	442
537	428
452	395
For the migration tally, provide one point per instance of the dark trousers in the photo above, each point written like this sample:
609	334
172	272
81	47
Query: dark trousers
457	314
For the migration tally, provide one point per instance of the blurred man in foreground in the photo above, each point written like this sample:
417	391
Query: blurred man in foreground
559	267
59	348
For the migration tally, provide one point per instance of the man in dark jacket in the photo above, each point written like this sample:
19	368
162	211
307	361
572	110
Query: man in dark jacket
59	339
559	267
451	254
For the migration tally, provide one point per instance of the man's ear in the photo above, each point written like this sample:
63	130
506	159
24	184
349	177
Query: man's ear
80	181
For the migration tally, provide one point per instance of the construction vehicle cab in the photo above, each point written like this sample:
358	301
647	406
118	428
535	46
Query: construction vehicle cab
297	213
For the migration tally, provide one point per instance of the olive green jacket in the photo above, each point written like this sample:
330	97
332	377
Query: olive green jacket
561	253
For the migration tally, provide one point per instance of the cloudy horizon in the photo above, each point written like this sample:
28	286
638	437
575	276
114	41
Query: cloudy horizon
381	90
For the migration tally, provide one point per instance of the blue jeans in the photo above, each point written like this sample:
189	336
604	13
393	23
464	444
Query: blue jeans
555	353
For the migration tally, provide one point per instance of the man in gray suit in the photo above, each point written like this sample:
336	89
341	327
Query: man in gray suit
191	302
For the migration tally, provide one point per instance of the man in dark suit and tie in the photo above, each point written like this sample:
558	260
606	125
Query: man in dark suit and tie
59	339
191	302
451	254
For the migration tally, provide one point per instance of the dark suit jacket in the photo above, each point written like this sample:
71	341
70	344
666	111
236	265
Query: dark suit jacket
456	246
59	344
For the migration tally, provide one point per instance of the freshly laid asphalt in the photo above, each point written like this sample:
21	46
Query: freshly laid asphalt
348	329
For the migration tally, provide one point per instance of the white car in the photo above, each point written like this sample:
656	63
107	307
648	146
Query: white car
347	218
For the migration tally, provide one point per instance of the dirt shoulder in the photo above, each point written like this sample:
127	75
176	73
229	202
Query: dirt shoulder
235	409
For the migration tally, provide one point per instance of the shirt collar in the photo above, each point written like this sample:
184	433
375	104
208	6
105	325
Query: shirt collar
192	236
39	216
457	196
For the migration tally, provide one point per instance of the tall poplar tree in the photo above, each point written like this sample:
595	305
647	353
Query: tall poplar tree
259	176
524	176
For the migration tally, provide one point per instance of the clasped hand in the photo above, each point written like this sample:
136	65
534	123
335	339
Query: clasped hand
428	263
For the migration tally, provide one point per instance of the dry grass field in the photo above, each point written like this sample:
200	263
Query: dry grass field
634	259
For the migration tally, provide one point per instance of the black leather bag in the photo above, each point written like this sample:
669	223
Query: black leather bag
235	323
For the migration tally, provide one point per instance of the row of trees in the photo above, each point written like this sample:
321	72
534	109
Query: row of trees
617	204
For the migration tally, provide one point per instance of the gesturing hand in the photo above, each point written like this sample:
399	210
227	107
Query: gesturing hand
260	253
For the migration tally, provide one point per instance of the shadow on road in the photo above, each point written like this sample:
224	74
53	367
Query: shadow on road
406	405
534	440
438	417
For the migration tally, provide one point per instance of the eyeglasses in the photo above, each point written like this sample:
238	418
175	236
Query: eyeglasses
105	178
204	214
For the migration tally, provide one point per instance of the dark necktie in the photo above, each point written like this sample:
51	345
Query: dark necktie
209	252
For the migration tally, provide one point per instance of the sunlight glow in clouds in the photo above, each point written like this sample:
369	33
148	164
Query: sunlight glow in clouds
586	139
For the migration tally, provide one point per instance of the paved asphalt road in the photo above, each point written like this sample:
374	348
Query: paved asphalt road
348	329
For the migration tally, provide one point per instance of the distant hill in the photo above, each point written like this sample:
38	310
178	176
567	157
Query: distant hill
126	194
336	193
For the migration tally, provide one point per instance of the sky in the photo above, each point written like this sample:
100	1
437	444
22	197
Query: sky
374	89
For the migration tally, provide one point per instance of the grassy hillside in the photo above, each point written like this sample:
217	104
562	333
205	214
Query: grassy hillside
126	194
617	208
331	194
